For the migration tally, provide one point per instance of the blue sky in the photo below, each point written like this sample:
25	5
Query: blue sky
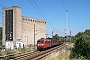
55	13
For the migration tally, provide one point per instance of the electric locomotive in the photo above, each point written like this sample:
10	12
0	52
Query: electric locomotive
47	43
43	43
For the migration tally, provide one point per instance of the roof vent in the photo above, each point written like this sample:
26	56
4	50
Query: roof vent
15	6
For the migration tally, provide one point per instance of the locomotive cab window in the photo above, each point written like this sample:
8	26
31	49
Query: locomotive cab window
40	41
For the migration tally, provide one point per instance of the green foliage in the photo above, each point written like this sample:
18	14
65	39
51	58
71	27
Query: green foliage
1	54
82	45
0	42
56	37
9	52
22	49
76	36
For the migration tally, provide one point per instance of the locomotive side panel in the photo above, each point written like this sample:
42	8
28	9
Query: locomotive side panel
46	43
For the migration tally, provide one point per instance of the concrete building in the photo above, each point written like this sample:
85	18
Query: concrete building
21	28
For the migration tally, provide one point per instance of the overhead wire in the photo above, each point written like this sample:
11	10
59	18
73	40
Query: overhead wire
42	13
26	23
36	9
44	16
14	12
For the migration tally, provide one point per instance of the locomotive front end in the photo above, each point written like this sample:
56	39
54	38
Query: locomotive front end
40	44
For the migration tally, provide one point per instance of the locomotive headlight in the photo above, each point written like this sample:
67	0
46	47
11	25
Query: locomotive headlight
38	44
42	44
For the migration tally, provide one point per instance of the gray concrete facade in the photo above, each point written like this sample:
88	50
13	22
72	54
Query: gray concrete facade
23	27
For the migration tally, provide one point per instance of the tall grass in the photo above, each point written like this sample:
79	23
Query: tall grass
62	54
22	50
2	53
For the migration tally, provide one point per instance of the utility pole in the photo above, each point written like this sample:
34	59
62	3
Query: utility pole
67	20
52	34
66	24
34	36
70	36
46	36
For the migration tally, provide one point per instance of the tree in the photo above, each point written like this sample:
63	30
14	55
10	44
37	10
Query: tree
82	45
56	37
76	36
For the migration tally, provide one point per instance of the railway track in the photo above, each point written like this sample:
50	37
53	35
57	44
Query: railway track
44	54
39	55
26	55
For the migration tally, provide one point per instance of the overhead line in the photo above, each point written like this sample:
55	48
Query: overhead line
39	8
42	12
44	15
7	8
35	8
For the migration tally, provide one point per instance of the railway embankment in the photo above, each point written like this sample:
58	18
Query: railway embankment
62	54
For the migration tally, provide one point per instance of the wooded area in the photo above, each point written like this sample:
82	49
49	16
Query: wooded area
81	47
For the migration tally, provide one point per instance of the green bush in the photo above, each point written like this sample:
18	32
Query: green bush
82	46
9	52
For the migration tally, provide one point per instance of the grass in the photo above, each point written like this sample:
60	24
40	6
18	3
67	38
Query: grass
16	52
22	50
62	54
2	53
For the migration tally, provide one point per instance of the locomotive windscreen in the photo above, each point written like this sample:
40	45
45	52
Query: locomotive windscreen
41	40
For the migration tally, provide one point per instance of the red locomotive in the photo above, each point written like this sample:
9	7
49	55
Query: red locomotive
47	43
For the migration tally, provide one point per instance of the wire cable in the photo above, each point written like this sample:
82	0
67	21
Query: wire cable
44	16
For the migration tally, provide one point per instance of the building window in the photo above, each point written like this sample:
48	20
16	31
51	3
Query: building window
9	24
31	20
23	18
